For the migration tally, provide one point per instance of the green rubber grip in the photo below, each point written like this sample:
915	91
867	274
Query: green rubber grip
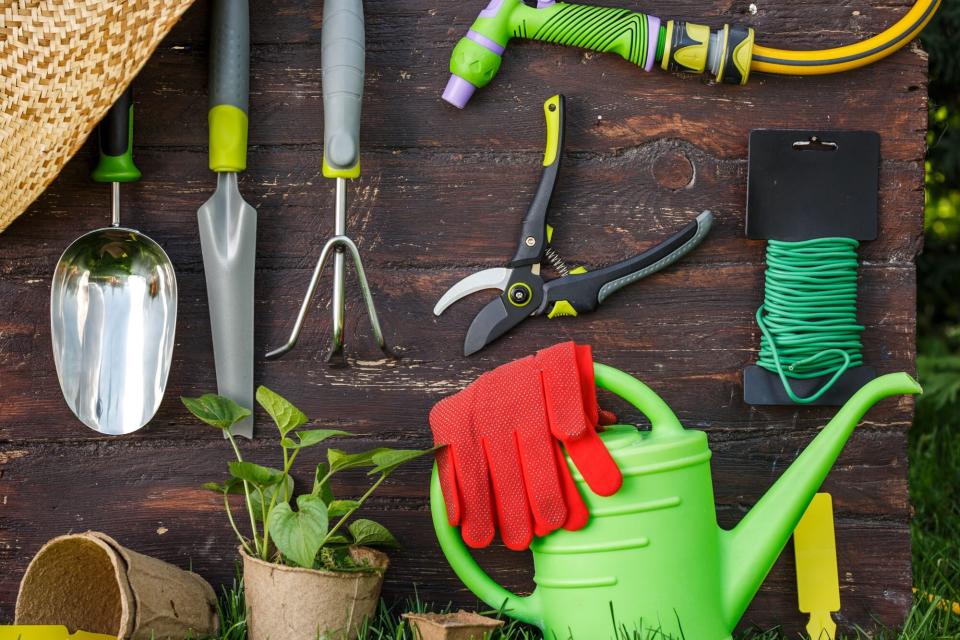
115	138
229	85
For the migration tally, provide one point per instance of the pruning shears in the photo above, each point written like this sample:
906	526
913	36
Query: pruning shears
525	293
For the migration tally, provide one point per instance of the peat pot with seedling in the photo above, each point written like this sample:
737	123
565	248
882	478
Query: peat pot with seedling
310	569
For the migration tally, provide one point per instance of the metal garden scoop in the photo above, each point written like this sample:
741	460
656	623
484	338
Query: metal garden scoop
228	225
113	305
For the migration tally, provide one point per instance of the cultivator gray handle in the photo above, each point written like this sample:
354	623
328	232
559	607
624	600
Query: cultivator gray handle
342	58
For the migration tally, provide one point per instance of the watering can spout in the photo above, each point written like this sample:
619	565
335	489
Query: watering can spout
750	549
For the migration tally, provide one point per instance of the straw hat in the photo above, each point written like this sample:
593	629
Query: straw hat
62	64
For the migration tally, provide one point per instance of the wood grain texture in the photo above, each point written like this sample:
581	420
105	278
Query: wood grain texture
442	195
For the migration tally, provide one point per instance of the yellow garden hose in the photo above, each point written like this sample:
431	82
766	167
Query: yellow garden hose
851	56
728	53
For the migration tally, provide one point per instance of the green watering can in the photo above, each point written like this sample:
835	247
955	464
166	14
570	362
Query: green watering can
652	558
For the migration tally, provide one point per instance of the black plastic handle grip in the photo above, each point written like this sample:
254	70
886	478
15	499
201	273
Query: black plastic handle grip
115	135
586	291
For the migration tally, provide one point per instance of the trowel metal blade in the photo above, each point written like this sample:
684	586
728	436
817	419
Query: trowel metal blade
228	238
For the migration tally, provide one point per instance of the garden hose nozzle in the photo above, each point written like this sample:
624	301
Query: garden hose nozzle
636	37
727	53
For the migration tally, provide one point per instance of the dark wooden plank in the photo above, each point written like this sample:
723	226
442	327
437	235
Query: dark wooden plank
441	196
686	334
422	209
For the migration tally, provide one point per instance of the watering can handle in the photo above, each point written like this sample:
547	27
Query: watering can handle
527	609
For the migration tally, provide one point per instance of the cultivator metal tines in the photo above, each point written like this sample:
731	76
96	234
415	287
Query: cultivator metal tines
336	245
342	59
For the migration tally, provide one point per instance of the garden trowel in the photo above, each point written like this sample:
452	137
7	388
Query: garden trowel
228	225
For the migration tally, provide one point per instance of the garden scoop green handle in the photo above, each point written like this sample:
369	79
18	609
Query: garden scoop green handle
652	556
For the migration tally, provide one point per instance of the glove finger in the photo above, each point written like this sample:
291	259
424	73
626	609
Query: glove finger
588	384
606	418
448	485
477	520
510	497
595	464
588	387
541	475
577	514
562	391
443	420
470	470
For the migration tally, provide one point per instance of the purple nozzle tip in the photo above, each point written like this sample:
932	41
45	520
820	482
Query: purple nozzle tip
458	91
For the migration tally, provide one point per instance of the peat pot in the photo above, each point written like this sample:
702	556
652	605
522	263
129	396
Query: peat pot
88	581
292	603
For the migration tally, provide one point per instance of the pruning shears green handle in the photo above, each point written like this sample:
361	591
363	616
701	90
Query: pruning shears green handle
584	292
524	292
534	236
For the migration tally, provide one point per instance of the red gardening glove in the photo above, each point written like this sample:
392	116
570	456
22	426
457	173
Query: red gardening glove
502	465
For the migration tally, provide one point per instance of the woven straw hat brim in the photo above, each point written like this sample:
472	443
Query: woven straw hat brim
63	63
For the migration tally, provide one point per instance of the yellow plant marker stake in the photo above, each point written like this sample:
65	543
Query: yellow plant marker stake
47	632
818	583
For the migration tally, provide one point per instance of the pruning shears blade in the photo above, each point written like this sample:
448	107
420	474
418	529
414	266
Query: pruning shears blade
479	281
493	321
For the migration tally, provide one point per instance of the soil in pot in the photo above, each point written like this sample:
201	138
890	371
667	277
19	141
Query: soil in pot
292	603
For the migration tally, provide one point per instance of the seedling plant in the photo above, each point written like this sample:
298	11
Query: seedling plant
319	533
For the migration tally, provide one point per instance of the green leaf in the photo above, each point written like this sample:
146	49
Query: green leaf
338	538
340	460
299	534
370	533
339	508
389	459
215	410
286	416
261	497
254	473
322	489
312	437
230	486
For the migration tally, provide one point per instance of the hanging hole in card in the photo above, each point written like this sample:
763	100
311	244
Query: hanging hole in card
814	143
828	190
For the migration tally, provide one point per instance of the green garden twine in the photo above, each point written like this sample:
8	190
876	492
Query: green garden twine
808	319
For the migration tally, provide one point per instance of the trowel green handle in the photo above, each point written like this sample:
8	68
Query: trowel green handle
115	135
527	609
342	58
229	85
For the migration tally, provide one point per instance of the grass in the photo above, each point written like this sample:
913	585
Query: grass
928	620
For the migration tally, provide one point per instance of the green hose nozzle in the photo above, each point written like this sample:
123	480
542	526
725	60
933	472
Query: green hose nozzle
636	37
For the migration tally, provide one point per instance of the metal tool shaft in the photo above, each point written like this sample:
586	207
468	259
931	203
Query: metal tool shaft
339	265
115	204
